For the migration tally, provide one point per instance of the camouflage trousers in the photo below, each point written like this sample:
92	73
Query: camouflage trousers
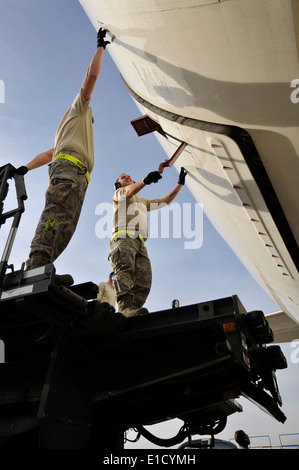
63	202
132	272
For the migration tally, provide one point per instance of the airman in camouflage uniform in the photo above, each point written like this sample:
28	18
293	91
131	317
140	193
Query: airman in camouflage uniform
128	254
71	162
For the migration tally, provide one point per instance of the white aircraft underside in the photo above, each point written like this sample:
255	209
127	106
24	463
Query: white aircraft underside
219	75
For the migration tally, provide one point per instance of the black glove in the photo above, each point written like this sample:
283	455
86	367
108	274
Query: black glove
182	176
22	170
100	38
152	177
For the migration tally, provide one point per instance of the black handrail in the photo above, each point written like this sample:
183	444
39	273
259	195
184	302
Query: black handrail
7	172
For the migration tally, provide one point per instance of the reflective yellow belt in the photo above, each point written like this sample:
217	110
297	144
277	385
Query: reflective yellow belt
77	162
130	232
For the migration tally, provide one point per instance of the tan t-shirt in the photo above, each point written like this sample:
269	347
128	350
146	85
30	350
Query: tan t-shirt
130	213
74	135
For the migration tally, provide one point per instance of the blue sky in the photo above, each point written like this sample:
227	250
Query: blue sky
45	48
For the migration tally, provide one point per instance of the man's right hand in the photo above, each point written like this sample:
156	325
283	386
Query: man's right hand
100	38
152	177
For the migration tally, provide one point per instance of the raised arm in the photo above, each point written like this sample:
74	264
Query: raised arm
134	188
154	177
170	196
94	67
173	194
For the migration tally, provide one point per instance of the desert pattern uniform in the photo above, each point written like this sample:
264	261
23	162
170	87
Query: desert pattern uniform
69	173
128	254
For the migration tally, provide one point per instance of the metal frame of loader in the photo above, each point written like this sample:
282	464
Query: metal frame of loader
79	375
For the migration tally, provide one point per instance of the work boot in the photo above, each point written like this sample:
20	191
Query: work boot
141	311
41	259
65	280
129	312
36	260
27	264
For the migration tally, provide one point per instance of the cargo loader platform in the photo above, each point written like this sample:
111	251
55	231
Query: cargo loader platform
78	375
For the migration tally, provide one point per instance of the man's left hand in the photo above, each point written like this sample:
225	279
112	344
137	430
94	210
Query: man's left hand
182	176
